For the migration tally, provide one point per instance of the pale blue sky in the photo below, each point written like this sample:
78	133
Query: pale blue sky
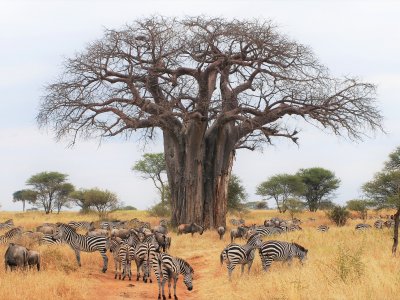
358	38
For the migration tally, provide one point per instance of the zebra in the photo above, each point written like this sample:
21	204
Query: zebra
49	239
235	254
283	251
378	224
144	253
389	223
267	231
323	228
287	228
83	225
167	267
10	235
7	224
221	231
84	243
235	222
362	226
239	232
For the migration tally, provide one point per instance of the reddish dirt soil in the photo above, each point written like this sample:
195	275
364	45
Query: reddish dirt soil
105	287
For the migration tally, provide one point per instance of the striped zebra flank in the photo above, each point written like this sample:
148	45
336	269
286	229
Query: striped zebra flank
323	228
235	254
144	254
268	231
48	239
362	226
281	251
83	243
167	267
88	226
10	235
7	224
378	224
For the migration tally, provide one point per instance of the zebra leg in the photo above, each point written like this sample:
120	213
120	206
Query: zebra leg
105	260
162	286
138	264
242	266
175	281
230	270
169	287
116	267
78	257
249	264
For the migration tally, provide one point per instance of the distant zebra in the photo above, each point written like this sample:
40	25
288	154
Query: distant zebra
83	225
292	227
283	251
7	224
10	235
221	232
378	224
167	268
239	232
235	254
323	228
84	243
389	223
362	226
48	239
267	231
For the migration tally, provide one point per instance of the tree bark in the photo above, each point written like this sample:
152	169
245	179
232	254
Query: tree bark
396	232
198	173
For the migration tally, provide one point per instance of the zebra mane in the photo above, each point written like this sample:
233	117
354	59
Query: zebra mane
252	236
186	264
301	248
65	226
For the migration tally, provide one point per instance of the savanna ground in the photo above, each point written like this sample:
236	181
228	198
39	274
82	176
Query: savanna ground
342	264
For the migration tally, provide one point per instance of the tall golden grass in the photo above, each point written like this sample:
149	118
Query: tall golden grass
342	264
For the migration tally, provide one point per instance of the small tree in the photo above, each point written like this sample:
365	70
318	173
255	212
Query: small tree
78	198
360	206
102	201
63	198
294	206
339	215
153	167
281	188
49	187
319	185
236	195
261	205
25	196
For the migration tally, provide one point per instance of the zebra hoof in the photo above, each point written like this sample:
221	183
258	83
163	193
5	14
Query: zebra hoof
151	281
115	277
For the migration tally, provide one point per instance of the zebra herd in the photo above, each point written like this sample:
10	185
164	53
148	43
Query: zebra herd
145	245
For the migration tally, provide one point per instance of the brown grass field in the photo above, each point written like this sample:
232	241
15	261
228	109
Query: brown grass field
342	264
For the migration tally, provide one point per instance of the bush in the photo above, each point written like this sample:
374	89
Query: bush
161	209
128	207
348	265
338	215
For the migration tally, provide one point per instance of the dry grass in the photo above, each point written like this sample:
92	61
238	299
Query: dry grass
342	264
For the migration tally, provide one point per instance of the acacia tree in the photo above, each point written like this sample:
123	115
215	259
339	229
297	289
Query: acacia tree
25	196
319	186
281	188
49	186
63	198
384	191
152	166
103	201
211	86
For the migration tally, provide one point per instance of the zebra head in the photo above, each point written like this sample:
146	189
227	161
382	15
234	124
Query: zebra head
187	273
255	240
61	231
300	252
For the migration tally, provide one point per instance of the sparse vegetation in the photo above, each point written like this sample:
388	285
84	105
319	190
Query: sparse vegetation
338	215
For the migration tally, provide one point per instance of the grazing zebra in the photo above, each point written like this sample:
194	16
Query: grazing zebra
282	251
362	226
143	256
84	243
267	231
83	225
287	228
167	267
323	228
235	254
378	224
48	239
10	235
7	224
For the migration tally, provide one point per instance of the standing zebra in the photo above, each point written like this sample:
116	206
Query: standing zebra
235	254
267	231
378	224
10	235
323	228
283	251
7	224
89	226
84	243
221	232
362	226
167	267
144	254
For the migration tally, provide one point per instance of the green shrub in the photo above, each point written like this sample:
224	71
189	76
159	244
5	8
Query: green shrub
161	209
338	215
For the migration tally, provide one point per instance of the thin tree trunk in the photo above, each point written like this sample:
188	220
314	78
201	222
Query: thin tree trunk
396	232
23	205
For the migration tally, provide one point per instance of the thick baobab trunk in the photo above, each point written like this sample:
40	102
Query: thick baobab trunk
198	169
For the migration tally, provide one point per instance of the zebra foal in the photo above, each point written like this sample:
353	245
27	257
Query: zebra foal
84	243
167	268
283	251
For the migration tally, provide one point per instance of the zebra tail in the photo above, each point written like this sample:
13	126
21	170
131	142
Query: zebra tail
221	257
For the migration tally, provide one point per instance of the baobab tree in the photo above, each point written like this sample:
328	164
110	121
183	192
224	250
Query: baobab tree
211	86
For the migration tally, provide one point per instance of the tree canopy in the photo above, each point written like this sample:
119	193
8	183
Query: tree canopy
25	196
319	186
211	86
236	194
